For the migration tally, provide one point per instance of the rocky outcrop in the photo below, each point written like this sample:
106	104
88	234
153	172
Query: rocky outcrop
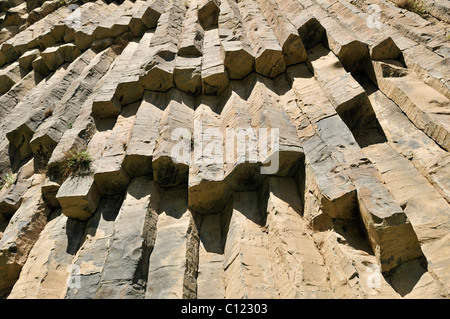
219	149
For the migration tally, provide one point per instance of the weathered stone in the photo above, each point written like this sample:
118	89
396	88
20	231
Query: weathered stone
146	17
84	34
425	107
287	35
106	102
239	60
46	274
430	159
240	149
297	264
109	175
27	58
89	261
350	51
140	148
65	112
269	59
339	86
172	151
174	259
208	192
20	235
157	74
385	221
128	266
214	75
191	39
332	194
248	271
210	279
187	74
40	66
78	197
208	12
22	131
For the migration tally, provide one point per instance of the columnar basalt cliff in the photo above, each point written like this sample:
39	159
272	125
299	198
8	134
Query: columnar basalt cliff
224	149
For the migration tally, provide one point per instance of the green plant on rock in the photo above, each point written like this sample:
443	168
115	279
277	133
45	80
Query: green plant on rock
8	180
76	161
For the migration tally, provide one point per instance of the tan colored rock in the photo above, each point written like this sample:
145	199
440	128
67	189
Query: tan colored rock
210	279
191	39
248	271
174	259
106	102
20	235
365	28
208	12
88	263
334	193
287	35
428	157
309	29
239	60
269	59
157	75
390	232
115	23
109	175
214	74
27	58
78	197
208	192
21	132
187	74
84	36
412	190
355	206
350	51
171	154
65	112
425	107
128	266
46	273
40	67
140	147
10	76
297	263
146	17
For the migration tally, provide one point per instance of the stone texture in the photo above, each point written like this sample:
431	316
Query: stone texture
175	252
127	266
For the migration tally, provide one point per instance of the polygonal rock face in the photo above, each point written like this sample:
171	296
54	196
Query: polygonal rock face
224	149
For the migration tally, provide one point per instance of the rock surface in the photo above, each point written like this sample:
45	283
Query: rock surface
217	149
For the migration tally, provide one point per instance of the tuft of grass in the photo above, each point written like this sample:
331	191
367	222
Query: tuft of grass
8	180
76	162
416	6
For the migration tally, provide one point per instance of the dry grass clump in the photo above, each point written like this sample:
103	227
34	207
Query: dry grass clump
416	6
76	161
